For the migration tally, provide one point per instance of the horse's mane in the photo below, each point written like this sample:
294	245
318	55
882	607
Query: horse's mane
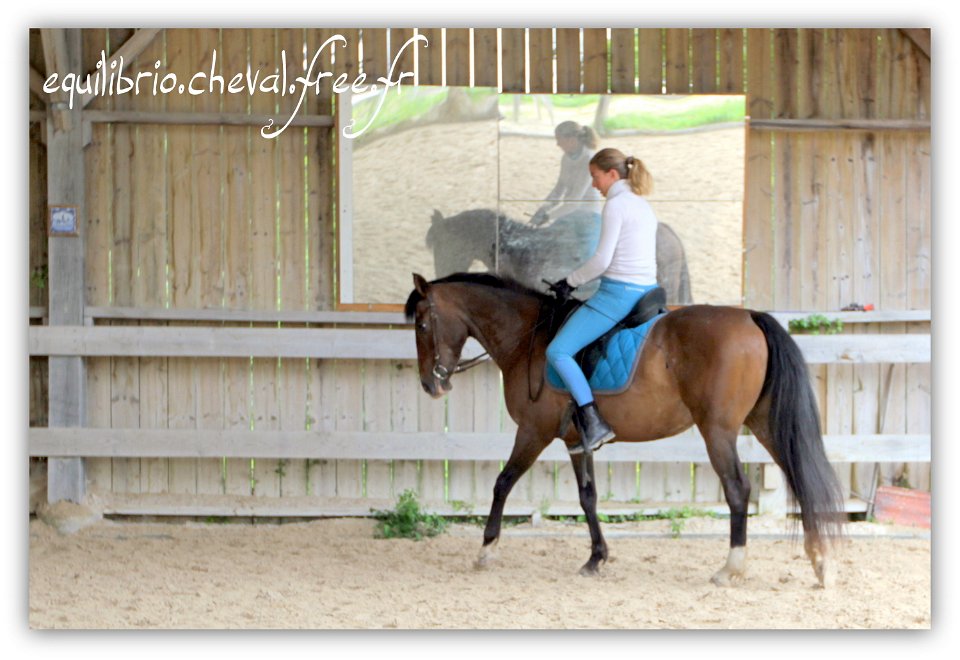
482	279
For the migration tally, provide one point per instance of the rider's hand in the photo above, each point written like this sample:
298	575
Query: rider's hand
562	289
540	217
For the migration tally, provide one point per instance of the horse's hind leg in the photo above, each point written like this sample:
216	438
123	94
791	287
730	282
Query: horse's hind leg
527	447
588	501
817	552
722	449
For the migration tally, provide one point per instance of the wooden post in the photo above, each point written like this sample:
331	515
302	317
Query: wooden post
65	186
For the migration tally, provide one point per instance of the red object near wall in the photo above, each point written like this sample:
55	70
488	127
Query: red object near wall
902	506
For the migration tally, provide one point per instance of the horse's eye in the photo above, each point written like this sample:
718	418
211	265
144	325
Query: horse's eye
422	326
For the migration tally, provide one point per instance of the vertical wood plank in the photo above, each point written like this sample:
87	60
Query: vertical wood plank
703	61
98	226
650	60
322	416
595	60
349	407
486	419
183	245
458	57
377	418
124	372
568	60
211	394
677	50
785	259
541	60
404	396
623	62
151	217
237	204
461	477
485	57
293	250
320	174
758	194
208	210
374	53
430	62
432	416
730	47
513	58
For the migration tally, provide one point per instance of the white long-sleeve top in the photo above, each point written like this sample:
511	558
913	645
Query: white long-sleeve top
627	251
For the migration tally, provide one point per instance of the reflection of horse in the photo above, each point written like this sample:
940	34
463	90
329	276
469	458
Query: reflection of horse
714	366
529	254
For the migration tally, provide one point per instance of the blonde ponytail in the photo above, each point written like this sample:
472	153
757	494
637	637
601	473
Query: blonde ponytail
631	169
638	176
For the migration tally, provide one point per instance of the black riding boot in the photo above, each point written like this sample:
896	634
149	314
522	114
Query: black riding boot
594	431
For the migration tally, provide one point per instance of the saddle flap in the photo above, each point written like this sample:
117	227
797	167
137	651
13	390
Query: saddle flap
654	302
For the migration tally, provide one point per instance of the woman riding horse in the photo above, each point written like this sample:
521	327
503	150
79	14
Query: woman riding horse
626	263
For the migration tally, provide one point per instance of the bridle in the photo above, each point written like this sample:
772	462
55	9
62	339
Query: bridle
442	373
439	371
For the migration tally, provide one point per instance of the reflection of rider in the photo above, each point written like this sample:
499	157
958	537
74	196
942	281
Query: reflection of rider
626	263
578	143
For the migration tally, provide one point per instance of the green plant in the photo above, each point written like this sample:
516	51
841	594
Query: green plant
39	277
407	520
815	324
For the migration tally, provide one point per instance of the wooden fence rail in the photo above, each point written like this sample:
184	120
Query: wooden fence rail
143	341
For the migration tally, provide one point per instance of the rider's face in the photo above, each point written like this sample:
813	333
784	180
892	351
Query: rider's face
569	143
603	180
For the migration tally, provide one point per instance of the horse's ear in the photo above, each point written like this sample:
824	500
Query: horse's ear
420	284
436	216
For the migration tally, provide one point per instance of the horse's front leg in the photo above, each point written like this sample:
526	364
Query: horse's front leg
526	448
587	485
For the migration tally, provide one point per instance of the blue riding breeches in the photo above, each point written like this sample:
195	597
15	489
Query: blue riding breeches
601	312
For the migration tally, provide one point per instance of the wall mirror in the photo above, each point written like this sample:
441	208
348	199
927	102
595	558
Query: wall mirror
447	179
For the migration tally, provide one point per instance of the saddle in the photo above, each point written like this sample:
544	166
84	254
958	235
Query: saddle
607	362
653	303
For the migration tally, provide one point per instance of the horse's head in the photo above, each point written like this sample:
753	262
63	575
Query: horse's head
441	333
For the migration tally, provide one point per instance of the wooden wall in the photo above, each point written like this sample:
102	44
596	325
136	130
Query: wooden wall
216	217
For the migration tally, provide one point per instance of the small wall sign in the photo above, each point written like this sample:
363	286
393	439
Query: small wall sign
63	221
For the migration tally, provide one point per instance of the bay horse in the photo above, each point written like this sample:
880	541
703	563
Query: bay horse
713	366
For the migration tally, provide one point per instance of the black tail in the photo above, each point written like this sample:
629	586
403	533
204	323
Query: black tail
795	430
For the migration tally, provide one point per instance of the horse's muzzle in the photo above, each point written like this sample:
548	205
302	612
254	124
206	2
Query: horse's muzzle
436	387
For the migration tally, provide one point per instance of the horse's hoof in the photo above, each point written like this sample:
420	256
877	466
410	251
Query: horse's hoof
590	569
726	578
734	570
486	556
822	569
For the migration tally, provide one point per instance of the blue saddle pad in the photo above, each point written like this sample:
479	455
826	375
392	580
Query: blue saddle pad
614	369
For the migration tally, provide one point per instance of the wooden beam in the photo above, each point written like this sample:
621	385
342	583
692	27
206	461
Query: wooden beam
58	61
36	85
66	186
257	506
840	124
397	318
396	344
246	316
201	118
131	48
919	37
419	445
